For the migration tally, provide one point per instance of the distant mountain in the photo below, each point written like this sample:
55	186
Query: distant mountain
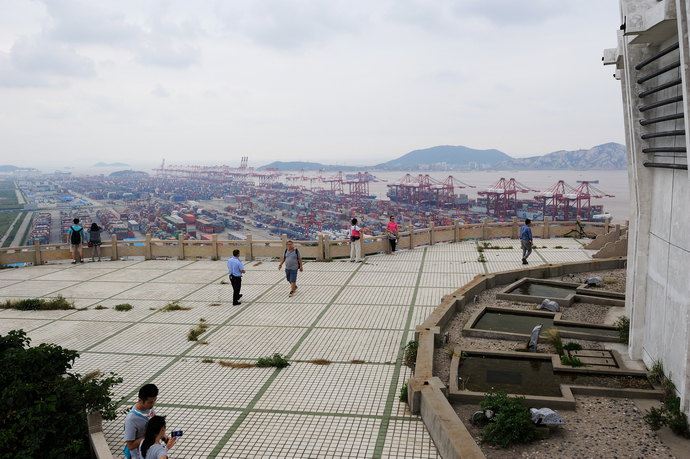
307	166
102	164
446	157
606	156
10	168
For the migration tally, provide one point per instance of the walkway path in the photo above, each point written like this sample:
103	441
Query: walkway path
9	229
343	312
22	230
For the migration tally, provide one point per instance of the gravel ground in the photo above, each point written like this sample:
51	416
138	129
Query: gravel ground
593	430
598	428
614	279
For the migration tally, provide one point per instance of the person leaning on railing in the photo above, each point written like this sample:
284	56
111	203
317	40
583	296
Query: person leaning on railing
356	233
393	232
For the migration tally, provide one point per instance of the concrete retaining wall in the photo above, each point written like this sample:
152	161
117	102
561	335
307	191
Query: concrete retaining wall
99	446
426	392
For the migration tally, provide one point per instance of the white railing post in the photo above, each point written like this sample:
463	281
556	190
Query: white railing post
113	248
180	246
148	252
214	247
250	248
37	254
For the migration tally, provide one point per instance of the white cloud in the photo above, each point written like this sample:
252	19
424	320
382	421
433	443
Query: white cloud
40	62
160	91
290	24
167	53
306	79
88	22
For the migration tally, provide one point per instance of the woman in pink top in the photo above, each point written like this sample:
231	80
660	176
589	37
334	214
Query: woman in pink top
392	231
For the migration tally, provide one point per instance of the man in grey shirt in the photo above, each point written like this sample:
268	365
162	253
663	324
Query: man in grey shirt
137	418
293	262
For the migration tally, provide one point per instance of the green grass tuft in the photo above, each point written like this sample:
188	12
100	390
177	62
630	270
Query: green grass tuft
38	304
174	306
196	332
276	360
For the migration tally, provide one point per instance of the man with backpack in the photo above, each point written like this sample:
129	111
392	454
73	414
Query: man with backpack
76	238
293	262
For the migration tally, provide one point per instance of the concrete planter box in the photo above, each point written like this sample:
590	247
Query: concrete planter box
470	327
566	400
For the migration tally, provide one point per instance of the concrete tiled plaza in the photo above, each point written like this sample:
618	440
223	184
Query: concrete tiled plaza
342	312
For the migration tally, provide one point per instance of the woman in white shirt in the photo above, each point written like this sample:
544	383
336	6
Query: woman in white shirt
356	233
151	447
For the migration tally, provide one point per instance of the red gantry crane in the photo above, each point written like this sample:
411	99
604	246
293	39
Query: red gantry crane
335	182
563	199
553	200
423	189
501	198
358	184
583	198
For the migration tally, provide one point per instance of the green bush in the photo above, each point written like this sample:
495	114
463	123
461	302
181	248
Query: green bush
669	414
572	347
571	360
38	304
655	417
403	393
44	405
669	389
410	354
657	372
623	326
482	258
678	423
276	360
511	424
123	307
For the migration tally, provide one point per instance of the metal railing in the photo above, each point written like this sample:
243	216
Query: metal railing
322	249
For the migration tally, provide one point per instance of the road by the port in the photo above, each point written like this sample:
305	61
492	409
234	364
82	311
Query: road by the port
19	236
9	229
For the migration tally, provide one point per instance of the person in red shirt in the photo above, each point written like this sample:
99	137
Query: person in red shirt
392	231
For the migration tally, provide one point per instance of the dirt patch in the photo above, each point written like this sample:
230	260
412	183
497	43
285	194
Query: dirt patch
614	279
598	428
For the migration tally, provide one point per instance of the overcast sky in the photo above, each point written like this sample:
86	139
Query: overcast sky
335	81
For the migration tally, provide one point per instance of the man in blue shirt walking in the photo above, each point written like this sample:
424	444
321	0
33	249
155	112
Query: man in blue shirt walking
526	240
235	270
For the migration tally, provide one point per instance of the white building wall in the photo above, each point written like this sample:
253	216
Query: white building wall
658	288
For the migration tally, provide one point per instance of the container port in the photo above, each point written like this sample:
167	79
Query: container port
197	202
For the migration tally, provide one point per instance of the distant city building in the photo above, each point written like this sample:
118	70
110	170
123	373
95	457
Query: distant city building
651	62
